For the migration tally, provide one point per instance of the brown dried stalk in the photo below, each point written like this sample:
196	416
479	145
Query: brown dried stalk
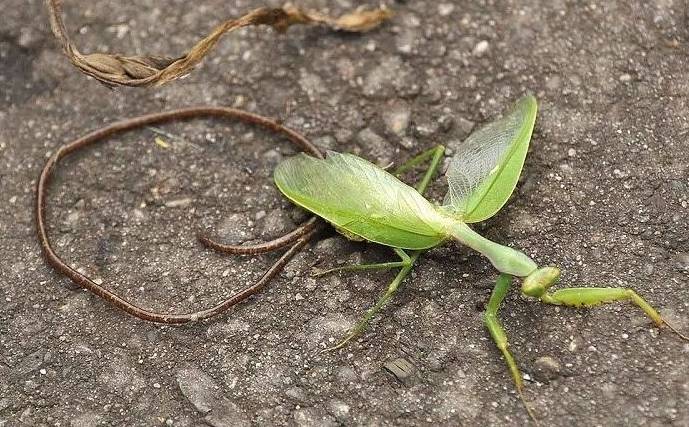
153	70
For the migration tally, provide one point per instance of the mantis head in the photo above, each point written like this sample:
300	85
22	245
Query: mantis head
538	282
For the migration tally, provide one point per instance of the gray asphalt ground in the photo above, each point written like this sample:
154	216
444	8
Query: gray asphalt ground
604	195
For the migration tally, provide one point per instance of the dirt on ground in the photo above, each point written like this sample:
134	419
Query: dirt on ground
604	195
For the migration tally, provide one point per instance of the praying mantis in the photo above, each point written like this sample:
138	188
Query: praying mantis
365	202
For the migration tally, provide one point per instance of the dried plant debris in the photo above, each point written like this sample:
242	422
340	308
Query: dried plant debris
153	70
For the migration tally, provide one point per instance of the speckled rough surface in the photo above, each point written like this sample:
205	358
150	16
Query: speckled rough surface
604	195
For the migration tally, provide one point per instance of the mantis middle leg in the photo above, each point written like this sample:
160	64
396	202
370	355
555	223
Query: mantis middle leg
435	154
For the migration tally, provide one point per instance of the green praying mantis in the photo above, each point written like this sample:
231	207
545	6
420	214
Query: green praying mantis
365	202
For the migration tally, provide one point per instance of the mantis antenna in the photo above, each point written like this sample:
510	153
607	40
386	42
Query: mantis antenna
298	238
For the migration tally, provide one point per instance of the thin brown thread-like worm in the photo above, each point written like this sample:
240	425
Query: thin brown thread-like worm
265	247
299	236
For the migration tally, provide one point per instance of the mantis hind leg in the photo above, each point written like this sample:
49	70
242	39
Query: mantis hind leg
435	155
405	262
537	285
362	324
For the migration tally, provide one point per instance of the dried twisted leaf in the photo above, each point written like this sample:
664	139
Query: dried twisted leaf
122	70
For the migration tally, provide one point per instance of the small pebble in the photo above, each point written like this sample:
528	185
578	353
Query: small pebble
547	368
405	41
272	157
199	388
682	261
445	9
276	222
376	144
465	125
178	203
339	409
402	370
481	48
312	84
326	142
396	116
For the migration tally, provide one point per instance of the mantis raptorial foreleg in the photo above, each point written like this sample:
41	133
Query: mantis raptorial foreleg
497	332
537	284
490	318
435	155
